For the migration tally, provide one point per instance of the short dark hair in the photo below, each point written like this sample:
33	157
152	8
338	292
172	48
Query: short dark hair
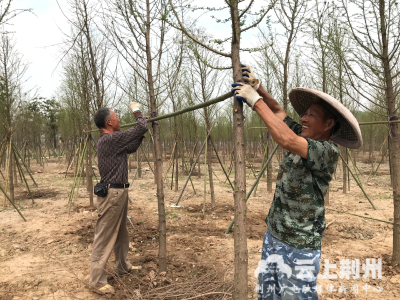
330	113
101	116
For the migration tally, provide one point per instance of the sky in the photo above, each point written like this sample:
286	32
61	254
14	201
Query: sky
36	34
39	34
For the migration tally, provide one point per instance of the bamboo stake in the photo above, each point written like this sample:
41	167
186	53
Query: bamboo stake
192	154
359	183
223	169
172	175
27	169
251	167
146	159
343	212
187	170
7	170
380	151
194	165
361	124
169	164
140	160
205	181
182	111
76	180
23	176
383	156
71	160
354	164
255	184
13	204
262	163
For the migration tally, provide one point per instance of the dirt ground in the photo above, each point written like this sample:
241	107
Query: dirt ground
48	257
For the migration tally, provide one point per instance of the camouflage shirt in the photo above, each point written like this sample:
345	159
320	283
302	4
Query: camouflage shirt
297	213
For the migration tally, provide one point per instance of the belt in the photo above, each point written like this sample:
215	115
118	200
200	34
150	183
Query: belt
119	186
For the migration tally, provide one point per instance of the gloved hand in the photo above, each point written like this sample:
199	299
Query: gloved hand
245	93
134	106
247	75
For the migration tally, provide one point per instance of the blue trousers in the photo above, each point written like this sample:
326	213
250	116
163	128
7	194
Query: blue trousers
287	273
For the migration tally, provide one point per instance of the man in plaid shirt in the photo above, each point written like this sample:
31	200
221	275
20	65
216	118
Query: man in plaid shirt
111	232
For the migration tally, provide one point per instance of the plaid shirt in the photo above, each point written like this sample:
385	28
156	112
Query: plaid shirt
112	150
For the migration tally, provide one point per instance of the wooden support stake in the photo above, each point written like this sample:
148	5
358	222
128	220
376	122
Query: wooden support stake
194	165
359	183
255	184
223	169
13	204
27	169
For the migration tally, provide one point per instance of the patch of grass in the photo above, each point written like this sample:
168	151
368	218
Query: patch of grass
384	196
170	215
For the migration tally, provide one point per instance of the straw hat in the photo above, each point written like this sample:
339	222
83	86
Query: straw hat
349	133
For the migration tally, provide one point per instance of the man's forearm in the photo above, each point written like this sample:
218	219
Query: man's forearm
280	132
274	106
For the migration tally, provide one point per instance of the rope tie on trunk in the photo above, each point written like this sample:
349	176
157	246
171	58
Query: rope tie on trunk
153	114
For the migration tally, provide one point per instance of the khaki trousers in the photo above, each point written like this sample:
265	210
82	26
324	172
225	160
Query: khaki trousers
110	233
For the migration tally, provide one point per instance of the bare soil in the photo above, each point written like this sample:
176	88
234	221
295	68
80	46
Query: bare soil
48	257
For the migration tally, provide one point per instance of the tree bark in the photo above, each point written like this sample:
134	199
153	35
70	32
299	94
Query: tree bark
269	169
394	145
176	156
209	153
240	231
89	172
139	165
162	226
344	169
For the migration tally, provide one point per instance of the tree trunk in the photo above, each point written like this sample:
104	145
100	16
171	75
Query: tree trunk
139	165
15	173
162	226
344	169
371	148
209	153
240	231
394	148
269	169
176	168
210	171
176	155
10	176
89	172
29	159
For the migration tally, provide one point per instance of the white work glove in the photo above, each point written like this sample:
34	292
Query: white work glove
134	106
245	93
248	74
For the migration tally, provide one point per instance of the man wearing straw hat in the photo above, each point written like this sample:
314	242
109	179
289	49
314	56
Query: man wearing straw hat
291	252
111	232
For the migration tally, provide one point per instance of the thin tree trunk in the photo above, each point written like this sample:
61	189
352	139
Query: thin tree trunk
394	148
89	175
344	169
269	169
240	232
10	176
139	165
162	226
